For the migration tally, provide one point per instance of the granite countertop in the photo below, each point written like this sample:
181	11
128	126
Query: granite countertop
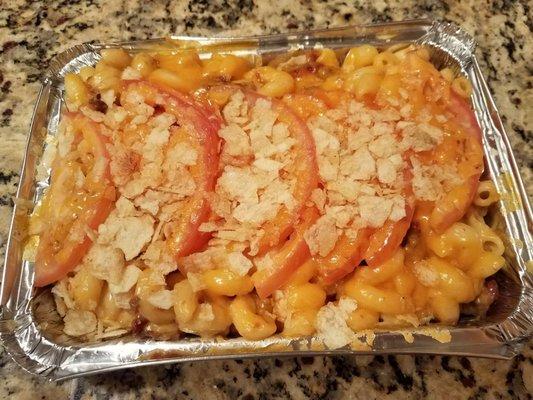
31	32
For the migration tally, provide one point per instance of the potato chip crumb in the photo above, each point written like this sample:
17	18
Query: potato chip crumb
79	323
331	323
386	171
127	281
239	263
108	334
322	236
108	97
163	299
104	262
280	304
375	210
130	73
237	142
205	312
425	274
128	233
360	165
159	257
60	290
318	197
431	181
196	281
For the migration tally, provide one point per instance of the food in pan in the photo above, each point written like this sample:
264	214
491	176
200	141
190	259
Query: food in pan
321	192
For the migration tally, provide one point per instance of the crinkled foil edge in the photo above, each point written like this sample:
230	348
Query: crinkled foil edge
27	341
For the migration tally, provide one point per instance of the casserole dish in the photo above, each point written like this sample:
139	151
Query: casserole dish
32	331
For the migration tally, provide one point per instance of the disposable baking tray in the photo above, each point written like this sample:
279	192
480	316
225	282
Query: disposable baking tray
30	329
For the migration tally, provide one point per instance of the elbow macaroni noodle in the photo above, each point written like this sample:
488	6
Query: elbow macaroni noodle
427	279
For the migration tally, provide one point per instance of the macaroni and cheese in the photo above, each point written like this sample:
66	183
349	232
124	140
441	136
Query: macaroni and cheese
317	193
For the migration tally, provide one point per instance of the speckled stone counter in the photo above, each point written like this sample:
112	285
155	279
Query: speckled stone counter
32	32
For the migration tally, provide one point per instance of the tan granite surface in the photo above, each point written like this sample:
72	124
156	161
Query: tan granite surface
31	32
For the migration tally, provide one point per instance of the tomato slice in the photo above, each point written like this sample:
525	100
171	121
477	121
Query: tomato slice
384	241
202	124
287	259
345	256
305	169
453	206
465	116
70	209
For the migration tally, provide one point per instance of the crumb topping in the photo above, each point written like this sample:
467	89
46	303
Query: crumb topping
257	182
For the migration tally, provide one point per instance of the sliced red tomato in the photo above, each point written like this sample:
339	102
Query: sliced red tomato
72	208
453	206
183	232
287	259
384	242
305	169
465	116
347	253
202	124
306	172
345	256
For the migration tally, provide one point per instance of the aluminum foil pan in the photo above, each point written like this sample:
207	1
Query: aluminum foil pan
30	329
